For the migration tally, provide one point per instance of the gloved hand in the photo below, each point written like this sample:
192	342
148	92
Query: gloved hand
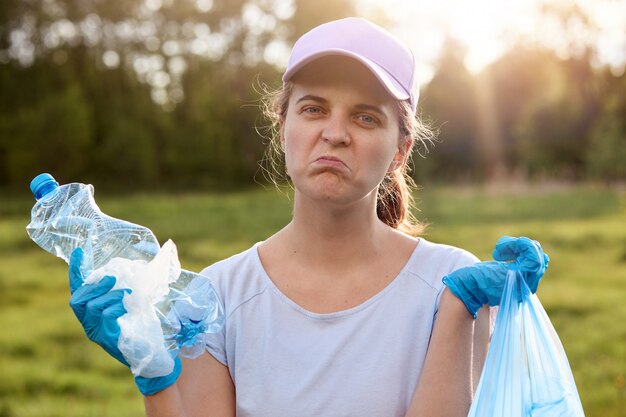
483	283
97	307
529	259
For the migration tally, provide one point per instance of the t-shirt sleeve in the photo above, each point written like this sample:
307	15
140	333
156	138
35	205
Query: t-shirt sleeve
236	280
216	346
463	258
457	258
216	342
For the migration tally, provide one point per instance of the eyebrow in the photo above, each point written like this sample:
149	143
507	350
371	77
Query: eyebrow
312	98
362	106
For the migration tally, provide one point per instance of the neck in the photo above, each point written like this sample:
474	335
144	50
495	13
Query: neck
328	233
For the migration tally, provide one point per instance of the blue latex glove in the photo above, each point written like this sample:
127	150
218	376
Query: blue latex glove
483	283
97	307
527	255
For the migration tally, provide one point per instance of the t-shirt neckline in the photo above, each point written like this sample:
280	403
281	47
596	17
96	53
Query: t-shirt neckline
340	313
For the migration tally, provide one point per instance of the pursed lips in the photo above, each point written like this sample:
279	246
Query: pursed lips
331	161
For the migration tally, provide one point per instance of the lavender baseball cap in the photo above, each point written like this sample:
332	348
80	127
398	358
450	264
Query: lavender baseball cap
388	59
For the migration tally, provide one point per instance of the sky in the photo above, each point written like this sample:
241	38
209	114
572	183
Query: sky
489	27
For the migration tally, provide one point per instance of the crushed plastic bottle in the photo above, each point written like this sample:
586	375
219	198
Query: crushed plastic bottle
169	309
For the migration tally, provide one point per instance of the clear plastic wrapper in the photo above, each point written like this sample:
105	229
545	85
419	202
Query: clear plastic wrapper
169	309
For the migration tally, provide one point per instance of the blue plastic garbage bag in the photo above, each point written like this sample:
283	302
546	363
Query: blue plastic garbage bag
526	373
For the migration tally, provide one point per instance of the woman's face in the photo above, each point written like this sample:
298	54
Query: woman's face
341	131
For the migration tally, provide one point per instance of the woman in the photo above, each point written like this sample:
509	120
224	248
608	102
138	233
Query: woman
343	312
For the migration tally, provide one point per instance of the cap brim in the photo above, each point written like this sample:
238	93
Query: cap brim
391	85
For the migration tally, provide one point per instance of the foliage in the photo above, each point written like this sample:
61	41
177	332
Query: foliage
553	130
607	152
165	93
449	101
552	118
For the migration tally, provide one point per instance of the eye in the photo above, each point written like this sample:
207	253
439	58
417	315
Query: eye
311	110
368	119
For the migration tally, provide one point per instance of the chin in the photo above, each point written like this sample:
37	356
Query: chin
332	191
322	189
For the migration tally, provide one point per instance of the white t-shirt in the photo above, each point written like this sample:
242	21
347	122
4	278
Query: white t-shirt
286	361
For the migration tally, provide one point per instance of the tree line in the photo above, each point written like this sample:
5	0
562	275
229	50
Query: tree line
92	95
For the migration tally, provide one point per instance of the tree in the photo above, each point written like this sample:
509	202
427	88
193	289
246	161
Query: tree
449	101
607	148
52	133
149	90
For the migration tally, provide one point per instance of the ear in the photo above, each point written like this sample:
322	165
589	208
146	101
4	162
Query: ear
403	151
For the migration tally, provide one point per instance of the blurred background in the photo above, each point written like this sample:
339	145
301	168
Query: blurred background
520	90
156	103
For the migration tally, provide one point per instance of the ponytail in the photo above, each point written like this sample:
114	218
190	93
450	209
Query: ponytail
395	202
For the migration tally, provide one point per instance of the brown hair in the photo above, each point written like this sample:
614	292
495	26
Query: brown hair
395	193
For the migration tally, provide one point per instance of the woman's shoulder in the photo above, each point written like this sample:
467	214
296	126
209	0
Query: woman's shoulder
243	259
238	277
432	261
445	253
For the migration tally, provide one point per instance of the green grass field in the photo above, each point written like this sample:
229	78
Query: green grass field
49	368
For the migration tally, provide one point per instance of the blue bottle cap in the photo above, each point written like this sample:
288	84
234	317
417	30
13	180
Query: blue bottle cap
42	184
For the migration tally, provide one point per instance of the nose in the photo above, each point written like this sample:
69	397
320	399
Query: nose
336	131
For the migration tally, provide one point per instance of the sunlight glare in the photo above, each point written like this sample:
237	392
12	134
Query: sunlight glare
488	28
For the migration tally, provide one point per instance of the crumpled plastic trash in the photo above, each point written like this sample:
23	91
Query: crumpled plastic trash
141	337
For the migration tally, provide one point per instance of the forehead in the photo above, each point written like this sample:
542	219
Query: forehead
343	76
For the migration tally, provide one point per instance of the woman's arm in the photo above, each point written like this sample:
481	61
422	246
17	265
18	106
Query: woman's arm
482	338
204	388
446	385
